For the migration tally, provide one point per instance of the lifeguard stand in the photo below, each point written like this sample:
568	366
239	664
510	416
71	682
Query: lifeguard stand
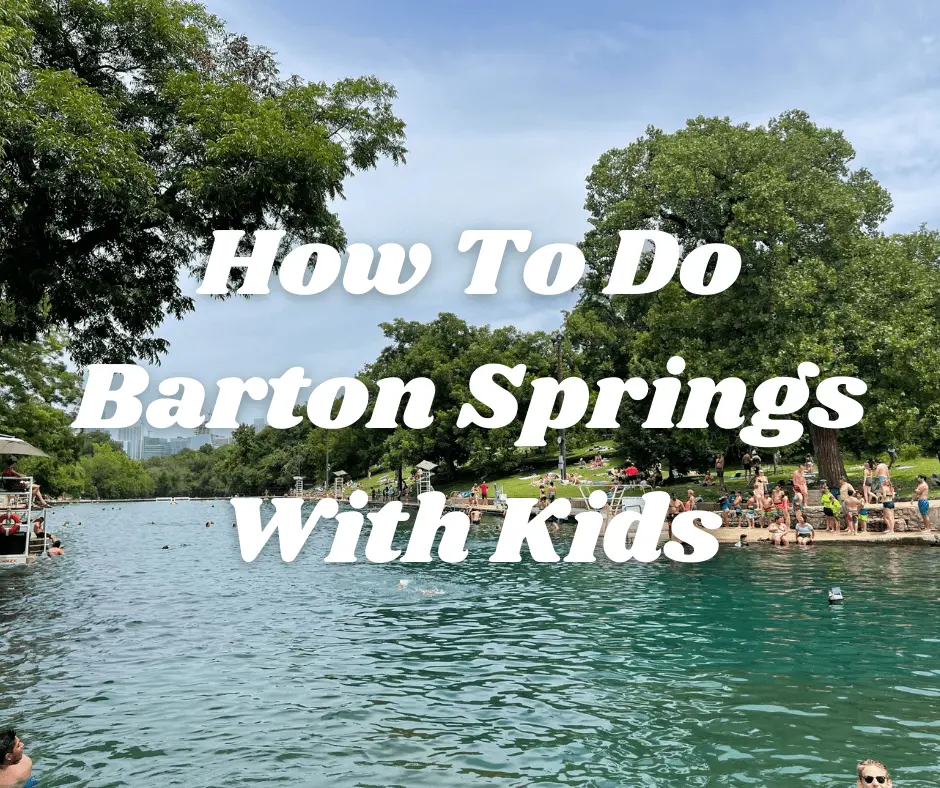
339	484
298	486
425	472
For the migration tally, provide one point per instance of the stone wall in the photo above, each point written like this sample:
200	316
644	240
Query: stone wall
906	517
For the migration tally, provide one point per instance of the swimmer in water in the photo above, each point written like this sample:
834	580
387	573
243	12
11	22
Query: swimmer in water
208	523
402	585
431	592
15	765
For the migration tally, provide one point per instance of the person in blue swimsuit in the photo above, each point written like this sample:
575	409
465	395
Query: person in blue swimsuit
16	767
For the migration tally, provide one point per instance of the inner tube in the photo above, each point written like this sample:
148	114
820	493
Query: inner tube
5	528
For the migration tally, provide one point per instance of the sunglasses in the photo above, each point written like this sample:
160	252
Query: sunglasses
871	778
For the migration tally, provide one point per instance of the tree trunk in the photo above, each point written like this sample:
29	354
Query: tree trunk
826	446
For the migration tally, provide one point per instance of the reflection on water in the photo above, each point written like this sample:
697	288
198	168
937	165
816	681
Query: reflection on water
128	665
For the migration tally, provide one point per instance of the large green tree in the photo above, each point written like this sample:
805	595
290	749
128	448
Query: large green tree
818	281
129	131
448	350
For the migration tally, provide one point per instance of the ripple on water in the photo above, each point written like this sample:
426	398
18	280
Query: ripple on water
187	667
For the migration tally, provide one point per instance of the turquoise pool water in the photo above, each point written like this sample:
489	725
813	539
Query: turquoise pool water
126	665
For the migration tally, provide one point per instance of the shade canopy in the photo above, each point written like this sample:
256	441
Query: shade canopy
17	446
425	465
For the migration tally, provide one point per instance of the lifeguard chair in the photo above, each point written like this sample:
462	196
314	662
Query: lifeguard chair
339	484
298	486
425	472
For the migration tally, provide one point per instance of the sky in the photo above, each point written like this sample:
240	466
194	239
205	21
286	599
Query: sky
508	106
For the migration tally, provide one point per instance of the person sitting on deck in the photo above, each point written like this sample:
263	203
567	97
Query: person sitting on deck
779	531
805	533
10	473
39	528
15	766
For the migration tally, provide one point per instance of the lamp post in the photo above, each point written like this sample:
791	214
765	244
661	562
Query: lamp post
562	458
326	484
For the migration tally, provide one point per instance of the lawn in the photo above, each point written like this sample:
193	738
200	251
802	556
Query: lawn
904	474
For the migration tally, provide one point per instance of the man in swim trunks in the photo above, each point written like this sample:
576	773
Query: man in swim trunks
750	512
922	499
15	766
851	504
746	465
881	476
799	482
720	472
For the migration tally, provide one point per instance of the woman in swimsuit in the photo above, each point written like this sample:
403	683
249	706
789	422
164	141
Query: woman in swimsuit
867	469
887	503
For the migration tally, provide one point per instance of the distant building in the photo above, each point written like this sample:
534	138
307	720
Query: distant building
200	437
132	441
155	447
178	444
221	440
260	424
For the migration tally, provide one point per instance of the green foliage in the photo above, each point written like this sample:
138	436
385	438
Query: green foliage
447	351
818	281
130	130
112	474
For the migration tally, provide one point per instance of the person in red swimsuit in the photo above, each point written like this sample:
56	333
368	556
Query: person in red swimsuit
10	473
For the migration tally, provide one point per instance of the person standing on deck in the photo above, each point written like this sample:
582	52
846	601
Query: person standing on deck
755	461
852	505
887	493
881	476
867	480
893	454
799	483
720	472
829	505
922	499
483	491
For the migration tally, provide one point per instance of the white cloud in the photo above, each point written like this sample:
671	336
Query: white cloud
505	137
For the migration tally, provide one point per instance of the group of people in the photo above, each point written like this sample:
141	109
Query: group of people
39	532
845	509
